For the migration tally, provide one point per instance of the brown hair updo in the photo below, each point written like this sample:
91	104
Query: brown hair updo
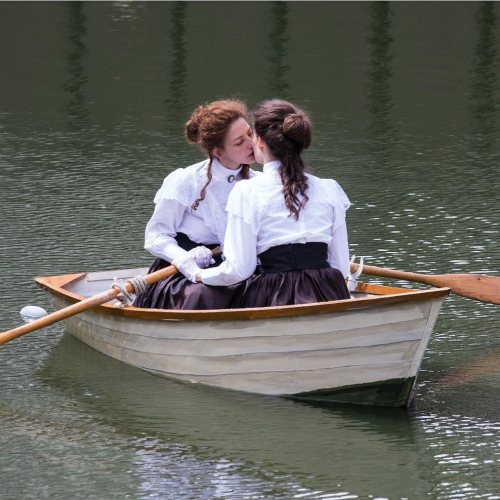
287	131
208	126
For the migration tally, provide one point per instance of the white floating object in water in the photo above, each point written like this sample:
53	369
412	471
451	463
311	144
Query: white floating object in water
30	313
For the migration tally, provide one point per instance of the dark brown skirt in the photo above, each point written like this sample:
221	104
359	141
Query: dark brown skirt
292	287
177	292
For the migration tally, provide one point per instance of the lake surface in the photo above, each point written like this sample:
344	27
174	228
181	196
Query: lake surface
405	100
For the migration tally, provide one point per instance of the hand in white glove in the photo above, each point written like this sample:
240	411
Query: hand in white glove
187	266
202	256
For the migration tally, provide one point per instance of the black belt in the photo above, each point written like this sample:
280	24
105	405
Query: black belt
295	256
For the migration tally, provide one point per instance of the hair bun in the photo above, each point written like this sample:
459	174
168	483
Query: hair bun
297	127
193	125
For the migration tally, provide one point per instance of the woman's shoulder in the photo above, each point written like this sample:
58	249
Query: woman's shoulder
321	181
253	173
190	171
241	200
182	183
244	191
331	188
194	175
245	187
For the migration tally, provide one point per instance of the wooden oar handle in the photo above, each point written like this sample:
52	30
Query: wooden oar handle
166	272
56	316
385	272
88	303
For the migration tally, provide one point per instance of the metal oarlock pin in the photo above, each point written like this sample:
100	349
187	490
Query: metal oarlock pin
352	279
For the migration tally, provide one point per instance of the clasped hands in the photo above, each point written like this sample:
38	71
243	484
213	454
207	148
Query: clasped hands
191	263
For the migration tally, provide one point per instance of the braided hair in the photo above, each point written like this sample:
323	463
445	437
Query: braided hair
287	131
208	126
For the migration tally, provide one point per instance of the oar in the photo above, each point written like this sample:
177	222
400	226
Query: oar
473	286
88	303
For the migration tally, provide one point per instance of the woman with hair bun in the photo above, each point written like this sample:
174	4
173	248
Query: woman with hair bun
189	218
294	222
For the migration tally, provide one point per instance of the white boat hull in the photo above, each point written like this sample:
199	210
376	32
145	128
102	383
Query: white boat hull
367	355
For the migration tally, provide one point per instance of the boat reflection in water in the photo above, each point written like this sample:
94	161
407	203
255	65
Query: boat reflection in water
343	448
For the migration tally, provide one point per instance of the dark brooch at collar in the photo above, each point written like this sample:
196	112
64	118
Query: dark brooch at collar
231	178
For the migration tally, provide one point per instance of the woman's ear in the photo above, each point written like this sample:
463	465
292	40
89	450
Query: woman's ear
217	152
260	143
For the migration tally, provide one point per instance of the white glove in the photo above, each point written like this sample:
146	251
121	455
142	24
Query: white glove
202	256
187	266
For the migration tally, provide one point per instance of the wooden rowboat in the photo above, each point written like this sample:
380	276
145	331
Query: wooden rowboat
365	350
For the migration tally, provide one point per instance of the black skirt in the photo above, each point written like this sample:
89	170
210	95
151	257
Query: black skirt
292	287
293	274
177	292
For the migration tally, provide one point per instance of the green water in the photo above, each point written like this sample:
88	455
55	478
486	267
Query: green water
405	100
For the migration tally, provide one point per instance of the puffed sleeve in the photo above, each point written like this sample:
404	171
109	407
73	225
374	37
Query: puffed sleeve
171	202
162	228
338	249
240	242
178	186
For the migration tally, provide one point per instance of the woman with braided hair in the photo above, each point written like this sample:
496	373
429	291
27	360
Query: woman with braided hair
294	222
189	217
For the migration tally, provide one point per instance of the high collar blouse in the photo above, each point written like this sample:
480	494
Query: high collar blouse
258	219
174	212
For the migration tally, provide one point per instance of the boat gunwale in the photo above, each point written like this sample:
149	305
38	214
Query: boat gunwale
388	295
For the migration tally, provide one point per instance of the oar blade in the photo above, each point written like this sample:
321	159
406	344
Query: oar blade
482	287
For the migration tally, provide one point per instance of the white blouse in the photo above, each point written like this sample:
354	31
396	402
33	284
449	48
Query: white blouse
173	213
258	220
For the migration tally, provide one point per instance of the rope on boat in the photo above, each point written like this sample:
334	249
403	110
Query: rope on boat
139	284
125	297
